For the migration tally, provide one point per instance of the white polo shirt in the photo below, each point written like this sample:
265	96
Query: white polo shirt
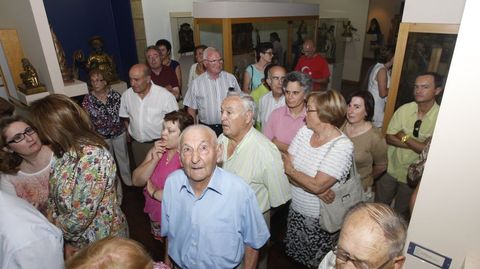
146	115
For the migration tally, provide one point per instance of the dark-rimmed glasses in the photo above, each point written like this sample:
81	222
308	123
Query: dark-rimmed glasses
345	257
21	136
416	127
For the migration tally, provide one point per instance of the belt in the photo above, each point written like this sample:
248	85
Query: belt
211	125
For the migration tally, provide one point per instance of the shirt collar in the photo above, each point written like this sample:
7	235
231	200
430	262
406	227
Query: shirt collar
210	78
214	184
302	114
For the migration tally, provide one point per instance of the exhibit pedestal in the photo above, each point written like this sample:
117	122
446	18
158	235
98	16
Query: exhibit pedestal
28	99
75	88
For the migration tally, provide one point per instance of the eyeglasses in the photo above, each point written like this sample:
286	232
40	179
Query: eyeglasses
21	136
214	61
416	127
268	52
345	257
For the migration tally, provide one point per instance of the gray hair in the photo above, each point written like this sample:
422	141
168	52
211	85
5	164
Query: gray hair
303	79
394	227
210	50
247	101
152	47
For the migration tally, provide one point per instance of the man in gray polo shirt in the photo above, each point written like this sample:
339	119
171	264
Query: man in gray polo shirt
206	93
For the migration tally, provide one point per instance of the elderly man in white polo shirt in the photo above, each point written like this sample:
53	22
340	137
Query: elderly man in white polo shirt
207	92
143	107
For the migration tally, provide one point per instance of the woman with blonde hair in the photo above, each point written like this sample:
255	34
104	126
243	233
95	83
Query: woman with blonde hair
113	253
319	157
24	162
82	200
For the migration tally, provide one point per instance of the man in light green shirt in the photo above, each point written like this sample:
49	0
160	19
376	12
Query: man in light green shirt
407	131
250	155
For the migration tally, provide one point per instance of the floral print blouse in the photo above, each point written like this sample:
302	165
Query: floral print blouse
83	200
105	116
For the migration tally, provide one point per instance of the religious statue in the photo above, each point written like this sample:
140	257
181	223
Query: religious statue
29	75
185	34
98	59
348	30
30	83
67	74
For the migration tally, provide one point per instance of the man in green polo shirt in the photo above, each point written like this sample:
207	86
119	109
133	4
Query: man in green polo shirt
409	127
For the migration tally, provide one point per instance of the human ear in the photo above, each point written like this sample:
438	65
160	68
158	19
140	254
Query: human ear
398	262
249	116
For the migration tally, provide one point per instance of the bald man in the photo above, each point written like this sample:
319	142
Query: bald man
314	65
372	236
143	107
210	216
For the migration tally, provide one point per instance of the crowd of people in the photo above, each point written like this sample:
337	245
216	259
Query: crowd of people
215	171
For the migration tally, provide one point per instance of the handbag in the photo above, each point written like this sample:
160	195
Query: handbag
415	170
347	195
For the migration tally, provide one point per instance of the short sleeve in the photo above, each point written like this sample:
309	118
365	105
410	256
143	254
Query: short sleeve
123	111
189	99
254	229
338	160
172	104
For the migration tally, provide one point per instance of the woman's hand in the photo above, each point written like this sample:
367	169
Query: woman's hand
327	196
287	164
159	147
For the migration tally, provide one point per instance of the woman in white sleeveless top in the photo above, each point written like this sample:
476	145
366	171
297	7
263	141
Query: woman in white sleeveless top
379	83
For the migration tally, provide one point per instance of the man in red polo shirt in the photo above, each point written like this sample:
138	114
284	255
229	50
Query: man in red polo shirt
314	65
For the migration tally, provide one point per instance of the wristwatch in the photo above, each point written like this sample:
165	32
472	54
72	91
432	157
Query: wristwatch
405	138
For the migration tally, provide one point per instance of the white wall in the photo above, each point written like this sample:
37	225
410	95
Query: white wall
433	11
157	24
446	217
29	18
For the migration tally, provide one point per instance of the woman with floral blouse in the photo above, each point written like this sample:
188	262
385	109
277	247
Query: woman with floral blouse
102	104
82	200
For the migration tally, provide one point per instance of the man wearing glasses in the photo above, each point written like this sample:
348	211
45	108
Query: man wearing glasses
372	237
407	131
206	93
314	65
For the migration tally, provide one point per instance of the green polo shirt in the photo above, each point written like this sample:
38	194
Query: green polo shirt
403	120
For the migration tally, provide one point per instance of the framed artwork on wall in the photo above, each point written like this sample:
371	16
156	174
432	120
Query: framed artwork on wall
420	48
